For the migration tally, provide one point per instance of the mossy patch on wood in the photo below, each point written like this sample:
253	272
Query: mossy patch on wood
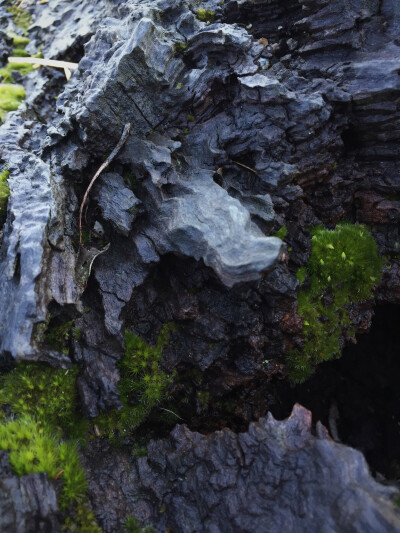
4	194
142	386
343	269
40	427
21	18
11	97
11	94
44	392
281	233
205	15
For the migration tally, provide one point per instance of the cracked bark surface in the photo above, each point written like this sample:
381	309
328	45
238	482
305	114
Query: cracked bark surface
275	114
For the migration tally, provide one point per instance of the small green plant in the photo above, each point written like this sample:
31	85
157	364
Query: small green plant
344	267
143	383
4	194
281	233
205	15
140	451
81	520
132	525
180	47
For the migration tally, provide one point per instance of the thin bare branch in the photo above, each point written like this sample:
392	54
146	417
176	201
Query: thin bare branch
39	61
120	144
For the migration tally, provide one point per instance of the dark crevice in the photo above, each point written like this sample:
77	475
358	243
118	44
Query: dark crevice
363	386
352	140
267	19
17	268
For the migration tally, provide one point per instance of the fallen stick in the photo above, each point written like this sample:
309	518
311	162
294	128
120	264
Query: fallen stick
66	65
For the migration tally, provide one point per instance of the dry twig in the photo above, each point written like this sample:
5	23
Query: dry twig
245	166
120	144
38	61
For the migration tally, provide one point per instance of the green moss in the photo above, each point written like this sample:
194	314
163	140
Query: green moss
81	521
20	53
140	451
204	399
43	403
22	19
143	383
130	180
75	485
4	194
33	448
132	525
43	392
58	336
6	72
30	448
281	233
344	267
180	47
11	97
76	334
205	15
301	275
20	41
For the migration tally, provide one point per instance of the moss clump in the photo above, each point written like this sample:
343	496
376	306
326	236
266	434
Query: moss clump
46	393
281	233
205	15
203	399
58	336
44	401
30	448
180	47
343	269
132	525
19	51
143	383
22	68
22	19
82	521
4	194
33	448
20	41
11	97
